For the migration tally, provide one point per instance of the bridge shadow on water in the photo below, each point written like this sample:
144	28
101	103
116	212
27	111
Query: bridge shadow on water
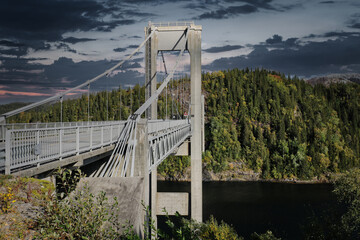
283	208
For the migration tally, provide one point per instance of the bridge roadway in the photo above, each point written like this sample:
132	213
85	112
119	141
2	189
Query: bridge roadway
29	149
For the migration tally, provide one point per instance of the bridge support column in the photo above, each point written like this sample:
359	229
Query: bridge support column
194	46
151	53
141	167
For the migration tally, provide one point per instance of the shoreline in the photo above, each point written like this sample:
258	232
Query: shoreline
288	181
248	176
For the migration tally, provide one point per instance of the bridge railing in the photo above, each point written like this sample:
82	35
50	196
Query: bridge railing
11	126
29	147
156	126
165	137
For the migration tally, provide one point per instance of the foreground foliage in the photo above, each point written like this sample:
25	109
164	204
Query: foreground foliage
182	228
342	222
21	200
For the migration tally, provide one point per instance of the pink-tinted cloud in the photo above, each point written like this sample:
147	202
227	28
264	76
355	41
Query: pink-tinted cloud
5	93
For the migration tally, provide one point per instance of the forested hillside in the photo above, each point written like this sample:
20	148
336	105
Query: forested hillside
280	127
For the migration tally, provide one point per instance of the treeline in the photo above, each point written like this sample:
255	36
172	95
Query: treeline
281	127
278	126
117	104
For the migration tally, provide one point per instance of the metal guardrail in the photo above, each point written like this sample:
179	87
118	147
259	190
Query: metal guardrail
33	146
171	24
40	143
170	135
164	136
155	126
11	126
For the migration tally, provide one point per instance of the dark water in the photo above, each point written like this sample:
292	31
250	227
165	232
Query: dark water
259	206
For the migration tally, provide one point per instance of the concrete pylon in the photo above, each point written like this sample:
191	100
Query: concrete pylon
194	47
171	37
151	52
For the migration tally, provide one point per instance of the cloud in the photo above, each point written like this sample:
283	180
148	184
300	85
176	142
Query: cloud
28	94
310	58
275	39
228	12
327	2
63	73
45	20
133	46
119	49
222	49
355	25
75	40
248	7
135	37
65	47
8	43
257	3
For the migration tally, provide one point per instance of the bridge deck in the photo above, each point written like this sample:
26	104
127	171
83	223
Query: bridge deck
34	145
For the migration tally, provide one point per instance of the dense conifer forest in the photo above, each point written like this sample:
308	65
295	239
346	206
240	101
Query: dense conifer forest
277	126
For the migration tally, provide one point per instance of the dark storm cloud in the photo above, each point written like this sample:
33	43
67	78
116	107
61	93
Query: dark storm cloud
334	34
65	47
112	24
274	40
119	49
340	55
132	46
18	52
265	4
248	7
10	43
327	2
75	40
278	42
44	20
228	12
222	49
202	5
340	34
355	25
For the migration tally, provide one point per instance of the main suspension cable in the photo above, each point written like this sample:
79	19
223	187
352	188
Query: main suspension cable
58	96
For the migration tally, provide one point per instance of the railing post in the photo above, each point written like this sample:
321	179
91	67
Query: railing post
37	144
60	143
102	136
3	132
77	140
7	151
91	138
111	127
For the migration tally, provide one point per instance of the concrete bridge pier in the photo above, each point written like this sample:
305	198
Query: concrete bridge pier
172	38
194	47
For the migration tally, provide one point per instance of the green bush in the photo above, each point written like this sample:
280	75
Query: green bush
80	216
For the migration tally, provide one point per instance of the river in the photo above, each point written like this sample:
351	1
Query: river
251	207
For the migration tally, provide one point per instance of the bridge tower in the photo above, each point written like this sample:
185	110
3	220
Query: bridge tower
171	37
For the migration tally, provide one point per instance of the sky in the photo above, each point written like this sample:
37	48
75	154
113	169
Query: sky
49	46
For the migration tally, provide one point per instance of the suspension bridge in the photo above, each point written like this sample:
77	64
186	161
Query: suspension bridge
135	147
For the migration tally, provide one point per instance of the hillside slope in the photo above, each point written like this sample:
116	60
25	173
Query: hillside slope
280	127
257	121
